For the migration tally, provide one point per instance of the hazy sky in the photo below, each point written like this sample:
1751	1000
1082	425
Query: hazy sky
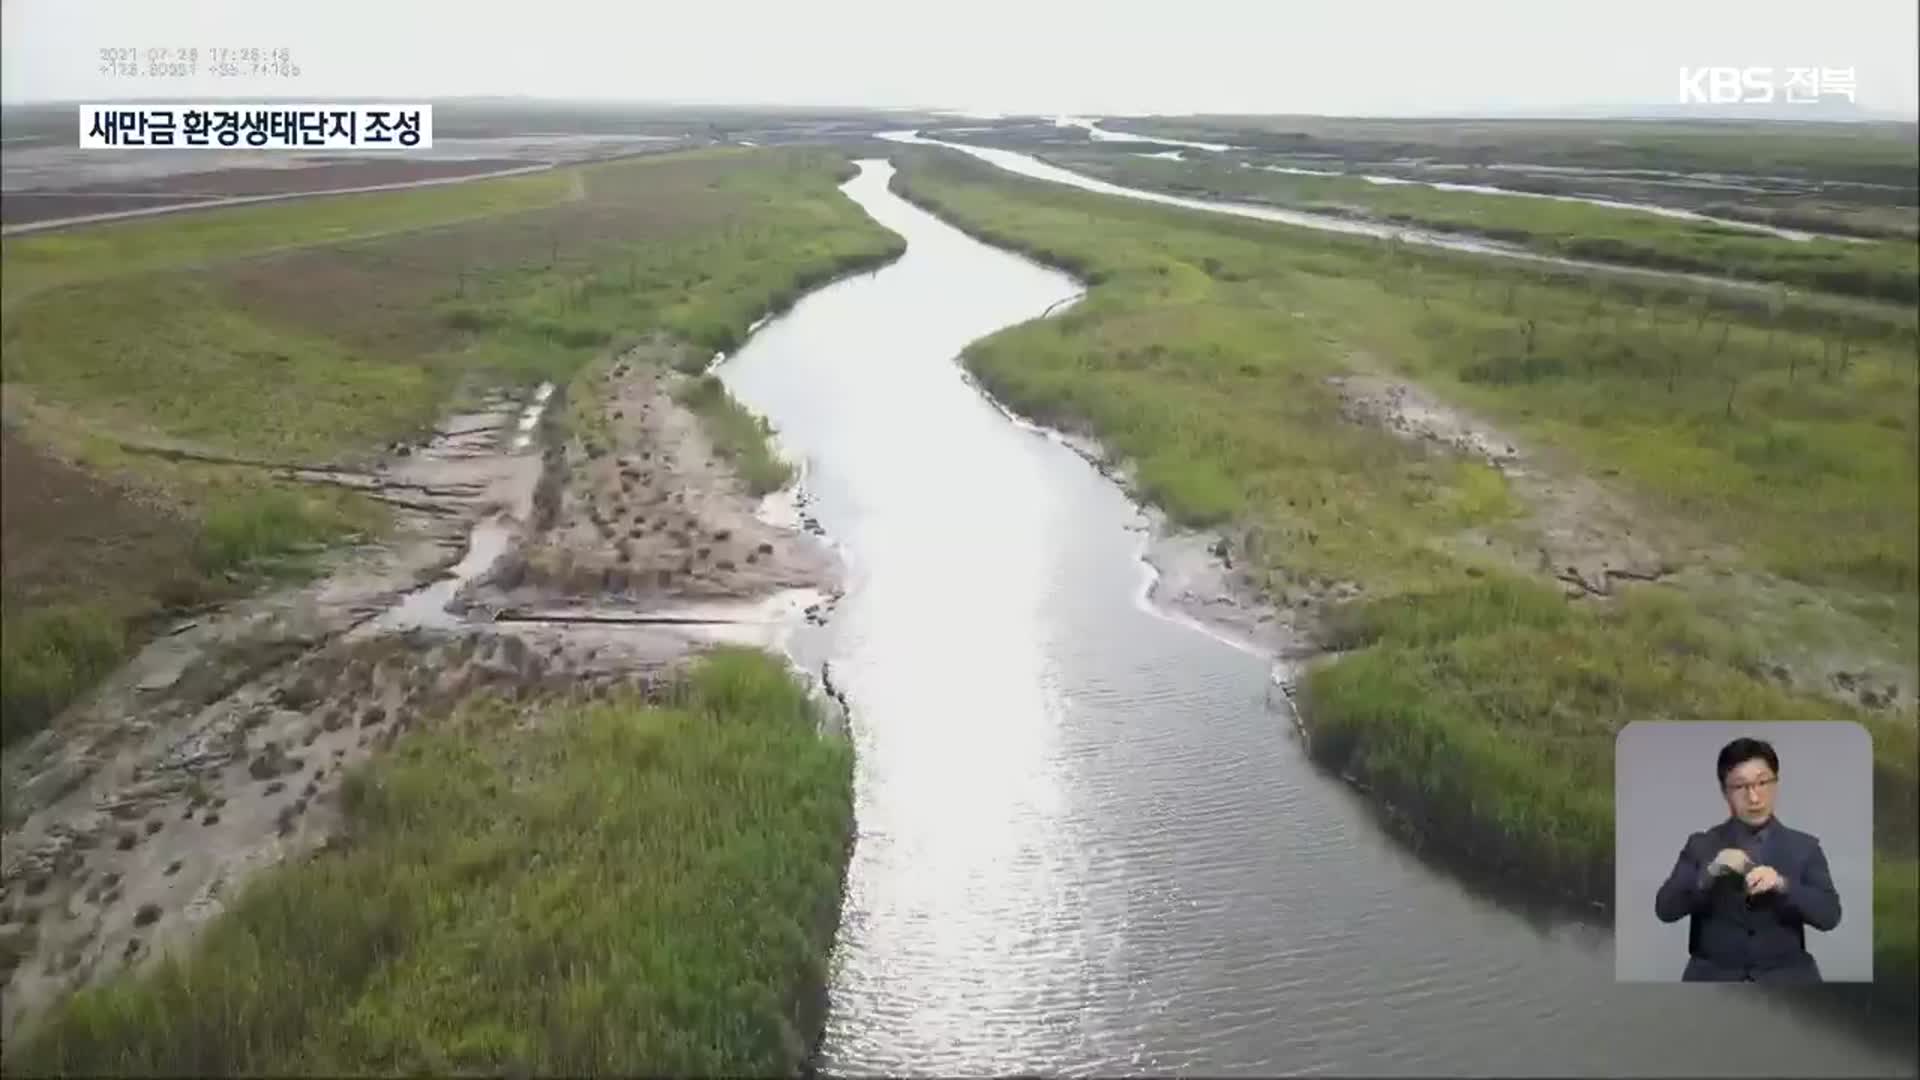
1339	56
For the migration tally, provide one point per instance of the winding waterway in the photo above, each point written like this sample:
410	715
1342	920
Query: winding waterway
1089	840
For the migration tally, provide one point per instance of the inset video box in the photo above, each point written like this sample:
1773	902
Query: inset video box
1743	851
235	126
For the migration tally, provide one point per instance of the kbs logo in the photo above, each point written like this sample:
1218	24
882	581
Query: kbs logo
1758	85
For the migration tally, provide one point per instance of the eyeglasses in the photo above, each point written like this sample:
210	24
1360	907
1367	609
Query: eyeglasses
1754	785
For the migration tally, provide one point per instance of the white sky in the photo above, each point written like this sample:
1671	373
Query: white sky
1111	56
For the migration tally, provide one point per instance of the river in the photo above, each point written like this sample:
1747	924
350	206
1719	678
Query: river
1088	839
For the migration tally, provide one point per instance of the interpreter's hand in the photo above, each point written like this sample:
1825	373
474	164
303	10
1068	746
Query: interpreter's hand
1730	861
1762	879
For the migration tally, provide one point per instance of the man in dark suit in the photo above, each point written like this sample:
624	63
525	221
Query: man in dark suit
1750	885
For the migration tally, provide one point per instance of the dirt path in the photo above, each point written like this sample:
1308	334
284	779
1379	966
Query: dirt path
219	749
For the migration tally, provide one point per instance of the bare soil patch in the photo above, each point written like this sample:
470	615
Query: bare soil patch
649	517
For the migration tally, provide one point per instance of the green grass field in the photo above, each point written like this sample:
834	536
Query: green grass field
1875	269
1475	696
611	887
321	330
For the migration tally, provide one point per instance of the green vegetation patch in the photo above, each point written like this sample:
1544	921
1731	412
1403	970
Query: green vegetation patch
47	657
743	439
1489	710
602	888
165	351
